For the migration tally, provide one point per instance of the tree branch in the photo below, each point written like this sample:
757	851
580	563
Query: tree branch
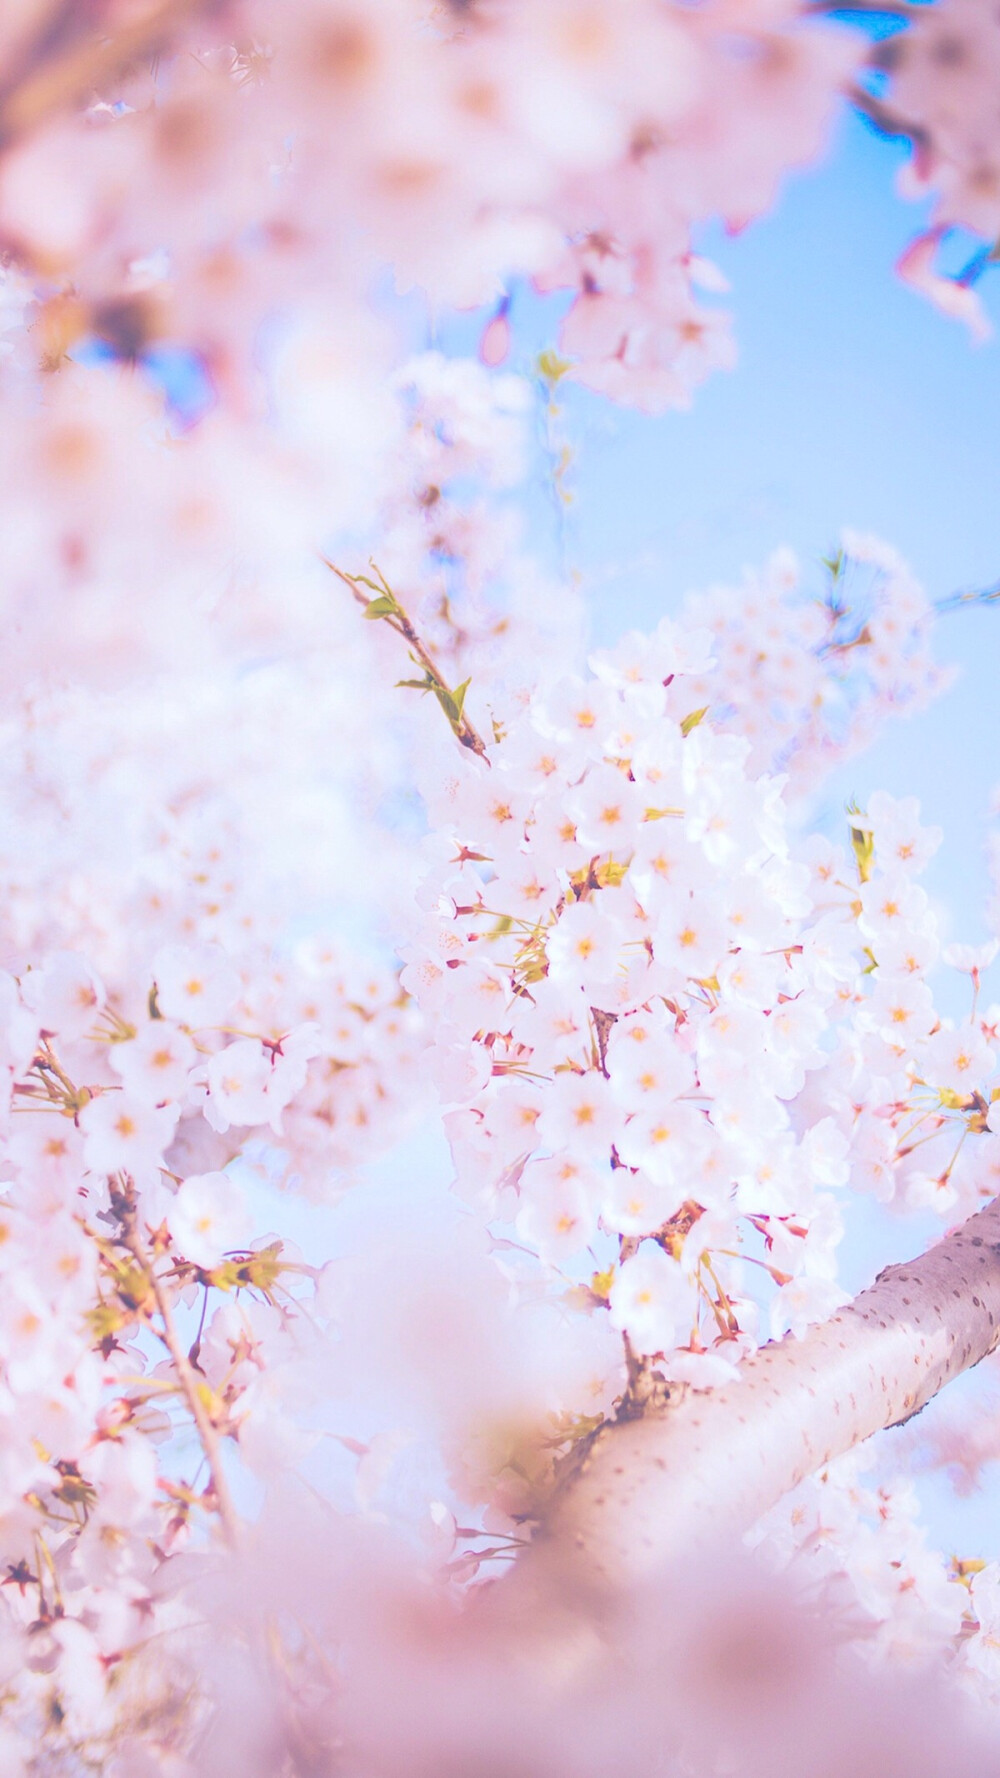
189	1388
387	608
892	9
879	112
69	55
709	1465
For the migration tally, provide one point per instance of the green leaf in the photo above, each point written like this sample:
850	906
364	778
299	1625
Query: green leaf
451	702
105	1320
384	606
448	705
377	586
257	1271
863	847
692	721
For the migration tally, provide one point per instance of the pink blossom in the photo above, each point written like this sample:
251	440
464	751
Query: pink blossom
585	944
902	1008
957	1060
494	345
799	1304
49	1151
901	843
237	1081
665	1142
65	995
916	267
971	959
156	1063
18	1037
891	905
652	1300
559	1212
126	1133
634	1203
195	986
208	1218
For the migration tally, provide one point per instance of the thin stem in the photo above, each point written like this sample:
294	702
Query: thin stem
398	620
559	458
890	9
189	1387
195	1351
882	114
775	1272
946	1175
969	596
723	1308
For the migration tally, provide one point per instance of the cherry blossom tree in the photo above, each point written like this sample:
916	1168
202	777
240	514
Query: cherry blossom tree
562	1471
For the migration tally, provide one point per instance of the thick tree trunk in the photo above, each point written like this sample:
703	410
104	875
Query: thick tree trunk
710	1464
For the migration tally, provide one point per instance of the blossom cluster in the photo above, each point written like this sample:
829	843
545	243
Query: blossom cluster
161	852
810	681
673	1039
669	1038
617	919
460	145
153	233
935	86
450	525
123	1126
149	1095
857	1545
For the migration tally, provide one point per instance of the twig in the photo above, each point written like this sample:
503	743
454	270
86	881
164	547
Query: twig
882	115
189	1386
66	57
970	596
891	9
386	606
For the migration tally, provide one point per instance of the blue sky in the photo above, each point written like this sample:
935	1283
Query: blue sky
853	402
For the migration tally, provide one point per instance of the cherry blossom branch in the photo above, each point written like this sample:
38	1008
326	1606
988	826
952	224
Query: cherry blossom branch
711	1463
882	114
67	56
385	606
892	9
970	596
207	1432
